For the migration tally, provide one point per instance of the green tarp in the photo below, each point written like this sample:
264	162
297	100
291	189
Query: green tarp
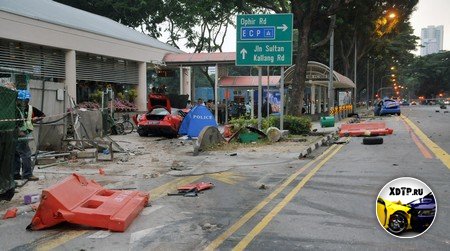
8	139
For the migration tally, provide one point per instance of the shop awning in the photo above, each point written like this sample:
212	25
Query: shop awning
248	81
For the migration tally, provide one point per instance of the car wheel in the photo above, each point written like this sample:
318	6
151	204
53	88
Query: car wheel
142	132
373	141
397	223
399	113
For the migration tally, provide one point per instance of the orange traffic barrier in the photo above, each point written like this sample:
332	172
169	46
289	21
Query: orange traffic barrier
364	129
80	201
11	213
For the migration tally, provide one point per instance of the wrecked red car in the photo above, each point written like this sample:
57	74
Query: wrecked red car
161	119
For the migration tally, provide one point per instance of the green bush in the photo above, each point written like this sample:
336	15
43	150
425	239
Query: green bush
96	96
132	94
295	125
238	123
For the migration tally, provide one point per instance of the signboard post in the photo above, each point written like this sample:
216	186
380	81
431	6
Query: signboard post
264	40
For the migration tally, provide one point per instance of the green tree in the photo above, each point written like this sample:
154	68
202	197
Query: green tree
131	13
429	75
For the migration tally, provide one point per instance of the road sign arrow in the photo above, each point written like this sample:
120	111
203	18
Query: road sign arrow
283	27
243	53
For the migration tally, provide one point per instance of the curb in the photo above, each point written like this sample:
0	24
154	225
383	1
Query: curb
316	145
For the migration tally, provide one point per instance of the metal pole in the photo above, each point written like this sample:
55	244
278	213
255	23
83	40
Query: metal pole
259	96
216	94
282	98
367	86
267	92
252	103
330	80
373	84
354	95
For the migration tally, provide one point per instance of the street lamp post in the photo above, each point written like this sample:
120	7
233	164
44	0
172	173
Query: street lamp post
330	80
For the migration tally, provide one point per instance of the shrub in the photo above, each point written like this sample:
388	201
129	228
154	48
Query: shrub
295	125
238	123
96	96
132	94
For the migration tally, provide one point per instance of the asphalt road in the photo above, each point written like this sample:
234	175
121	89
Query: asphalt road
336	208
322	203
433	121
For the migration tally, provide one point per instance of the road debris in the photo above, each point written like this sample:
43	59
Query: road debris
31	198
192	190
11	213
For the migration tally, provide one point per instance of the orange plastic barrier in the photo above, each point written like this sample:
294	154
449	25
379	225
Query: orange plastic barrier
197	187
364	129
80	201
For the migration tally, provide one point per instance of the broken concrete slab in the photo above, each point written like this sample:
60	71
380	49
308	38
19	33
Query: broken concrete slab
209	136
87	154
273	134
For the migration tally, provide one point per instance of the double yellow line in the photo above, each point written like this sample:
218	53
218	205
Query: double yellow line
327	155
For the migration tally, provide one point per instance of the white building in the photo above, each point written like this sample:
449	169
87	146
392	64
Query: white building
52	42
432	39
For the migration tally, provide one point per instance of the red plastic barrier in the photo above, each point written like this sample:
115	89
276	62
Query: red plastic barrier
80	201
196	186
11	213
365	129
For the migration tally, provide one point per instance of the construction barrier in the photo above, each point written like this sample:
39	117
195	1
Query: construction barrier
80	201
364	129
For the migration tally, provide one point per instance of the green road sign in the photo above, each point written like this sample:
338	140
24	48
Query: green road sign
264	40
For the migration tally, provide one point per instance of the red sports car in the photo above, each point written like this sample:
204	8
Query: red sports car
161	119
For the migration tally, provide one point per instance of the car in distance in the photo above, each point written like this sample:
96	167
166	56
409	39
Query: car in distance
387	106
404	103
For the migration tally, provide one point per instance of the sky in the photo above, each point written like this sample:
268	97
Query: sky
432	12
428	12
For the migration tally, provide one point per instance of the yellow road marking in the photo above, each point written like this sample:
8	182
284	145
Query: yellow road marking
265	221
171	186
438	151
154	194
230	178
238	224
61	239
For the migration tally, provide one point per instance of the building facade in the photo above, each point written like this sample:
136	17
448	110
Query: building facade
432	39
50	42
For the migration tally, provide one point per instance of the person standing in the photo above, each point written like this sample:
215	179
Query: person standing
188	105
200	101
22	156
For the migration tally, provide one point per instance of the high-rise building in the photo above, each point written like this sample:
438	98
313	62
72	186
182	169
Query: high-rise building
432	39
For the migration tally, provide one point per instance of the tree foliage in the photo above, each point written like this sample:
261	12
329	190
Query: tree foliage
429	75
203	25
131	13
